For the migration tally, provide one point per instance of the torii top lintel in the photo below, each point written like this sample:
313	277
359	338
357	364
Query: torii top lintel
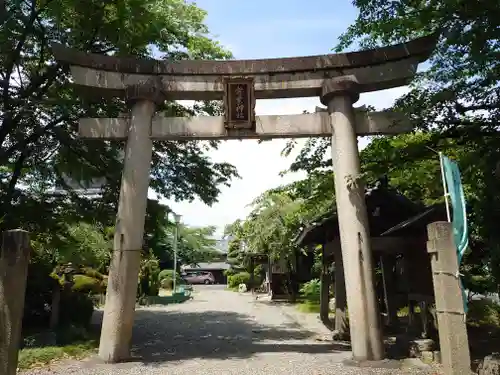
421	47
374	69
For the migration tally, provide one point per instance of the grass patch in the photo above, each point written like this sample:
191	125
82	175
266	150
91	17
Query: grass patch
308	307
35	357
163	300
232	288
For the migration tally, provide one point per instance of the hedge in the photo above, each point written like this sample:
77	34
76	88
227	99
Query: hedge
240	278
89	285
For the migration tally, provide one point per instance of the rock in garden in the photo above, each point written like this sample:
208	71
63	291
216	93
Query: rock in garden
242	288
490	365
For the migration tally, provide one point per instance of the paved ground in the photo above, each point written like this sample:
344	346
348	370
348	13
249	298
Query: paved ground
224	333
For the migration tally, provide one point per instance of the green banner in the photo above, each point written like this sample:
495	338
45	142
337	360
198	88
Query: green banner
459	218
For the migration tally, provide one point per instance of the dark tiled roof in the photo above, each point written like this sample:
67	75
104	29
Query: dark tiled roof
386	208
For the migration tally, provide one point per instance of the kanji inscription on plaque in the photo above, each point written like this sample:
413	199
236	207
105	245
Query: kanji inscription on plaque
239	103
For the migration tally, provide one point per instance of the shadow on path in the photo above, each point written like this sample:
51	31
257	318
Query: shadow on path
162	336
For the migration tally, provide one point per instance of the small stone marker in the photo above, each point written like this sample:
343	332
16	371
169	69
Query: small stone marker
453	340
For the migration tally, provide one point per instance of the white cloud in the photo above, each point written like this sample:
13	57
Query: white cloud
259	164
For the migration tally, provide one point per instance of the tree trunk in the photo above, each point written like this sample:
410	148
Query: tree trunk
55	306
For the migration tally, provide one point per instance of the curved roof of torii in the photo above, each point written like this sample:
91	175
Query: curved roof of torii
420	48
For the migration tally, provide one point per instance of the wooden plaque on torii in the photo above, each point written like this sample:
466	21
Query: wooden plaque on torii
239	103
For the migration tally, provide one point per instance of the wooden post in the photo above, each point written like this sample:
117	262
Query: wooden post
453	338
252	275
324	304
341	324
14	259
387	264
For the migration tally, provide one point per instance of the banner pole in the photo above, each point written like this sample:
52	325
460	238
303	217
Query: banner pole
446	195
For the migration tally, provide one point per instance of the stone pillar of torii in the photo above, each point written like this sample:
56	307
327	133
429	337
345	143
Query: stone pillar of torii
337	79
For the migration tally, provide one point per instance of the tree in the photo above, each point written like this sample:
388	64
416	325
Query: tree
39	110
457	97
453	105
194	245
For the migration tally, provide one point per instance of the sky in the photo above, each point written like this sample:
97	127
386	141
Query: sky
266	29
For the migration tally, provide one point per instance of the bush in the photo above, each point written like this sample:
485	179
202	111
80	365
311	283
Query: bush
259	274
311	290
165	274
149	271
88	285
483	312
240	278
167	283
230	272
76	309
90	272
166	279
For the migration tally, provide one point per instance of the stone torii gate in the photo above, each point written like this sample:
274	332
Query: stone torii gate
337	79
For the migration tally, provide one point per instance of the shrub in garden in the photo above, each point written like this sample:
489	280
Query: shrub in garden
167	283
230	272
76	306
76	309
165	274
483	312
235	280
88	285
166	279
311	290
149	271
92	273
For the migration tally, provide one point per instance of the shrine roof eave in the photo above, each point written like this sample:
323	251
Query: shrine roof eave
420	48
418	223
395	208
413	227
314	233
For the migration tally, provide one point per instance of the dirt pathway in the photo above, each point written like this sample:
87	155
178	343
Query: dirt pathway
224	333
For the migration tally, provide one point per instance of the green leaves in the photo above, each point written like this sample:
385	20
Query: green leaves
272	225
39	109
455	102
194	245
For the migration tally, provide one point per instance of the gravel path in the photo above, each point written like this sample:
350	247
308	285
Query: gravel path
224	333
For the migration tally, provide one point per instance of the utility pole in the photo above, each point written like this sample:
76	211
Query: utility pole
176	238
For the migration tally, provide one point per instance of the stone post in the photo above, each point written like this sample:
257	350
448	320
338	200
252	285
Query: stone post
453	340
339	94
14	259
341	325
121	293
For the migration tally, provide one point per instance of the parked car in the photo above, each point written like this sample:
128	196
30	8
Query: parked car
199	277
